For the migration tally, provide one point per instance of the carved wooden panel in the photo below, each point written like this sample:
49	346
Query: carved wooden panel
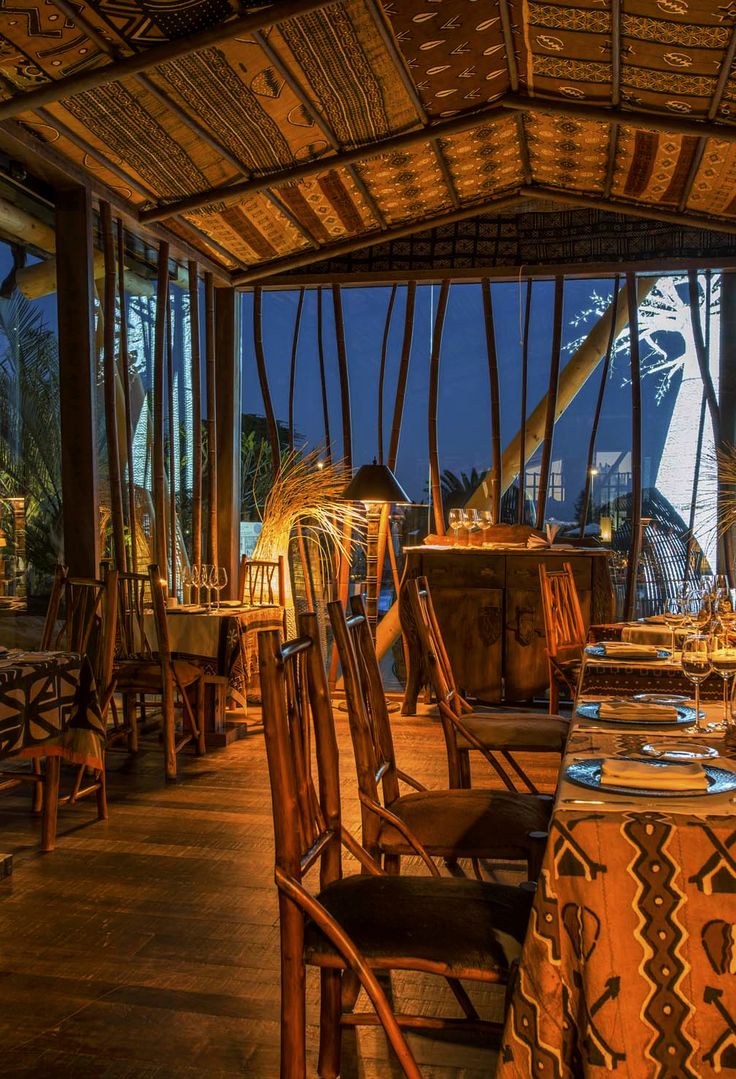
472	629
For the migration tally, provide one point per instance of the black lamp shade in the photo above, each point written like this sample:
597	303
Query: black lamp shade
375	483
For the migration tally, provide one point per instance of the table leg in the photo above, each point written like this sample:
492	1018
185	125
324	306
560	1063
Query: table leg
50	803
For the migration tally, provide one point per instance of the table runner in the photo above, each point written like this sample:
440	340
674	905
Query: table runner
49	707
609	676
630	959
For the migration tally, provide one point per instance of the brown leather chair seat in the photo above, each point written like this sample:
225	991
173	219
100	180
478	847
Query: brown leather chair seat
139	673
467	821
458	927
499	730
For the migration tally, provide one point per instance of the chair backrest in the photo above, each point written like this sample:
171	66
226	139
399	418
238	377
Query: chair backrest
158	600
435	660
563	619
133	596
260	581
297	717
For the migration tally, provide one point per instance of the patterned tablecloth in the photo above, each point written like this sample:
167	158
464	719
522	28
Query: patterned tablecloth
49	707
614	676
213	638
629	966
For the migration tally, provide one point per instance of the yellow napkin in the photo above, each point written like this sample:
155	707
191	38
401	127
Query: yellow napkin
616	772
637	711
628	650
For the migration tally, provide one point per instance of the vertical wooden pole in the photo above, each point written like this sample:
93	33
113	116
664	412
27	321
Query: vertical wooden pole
159	366
109	376
209	344
495	493
347	452
597	414
393	447
172	470
229	419
521	501
434	381
727	390
292	370
77	381
125	376
273	434
549	423
382	371
636	489
196	358
322	375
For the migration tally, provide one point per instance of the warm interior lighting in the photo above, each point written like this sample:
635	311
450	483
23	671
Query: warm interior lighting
605	529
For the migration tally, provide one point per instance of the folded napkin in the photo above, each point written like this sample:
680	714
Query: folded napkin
618	772
535	542
637	711
656	620
628	650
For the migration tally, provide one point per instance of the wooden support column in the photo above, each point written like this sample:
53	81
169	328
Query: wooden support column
77	379
727	398
227	365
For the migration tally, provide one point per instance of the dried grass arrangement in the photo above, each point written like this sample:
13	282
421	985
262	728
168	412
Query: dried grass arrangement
307	492
719	495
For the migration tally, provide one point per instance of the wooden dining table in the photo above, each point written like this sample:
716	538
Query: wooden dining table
629	964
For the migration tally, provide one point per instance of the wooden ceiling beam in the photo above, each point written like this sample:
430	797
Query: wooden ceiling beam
455	125
629	209
508	41
90	79
257	274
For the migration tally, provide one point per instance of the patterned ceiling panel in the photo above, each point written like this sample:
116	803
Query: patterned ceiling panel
329	206
564	50
253	230
454	51
653	167
199	240
567	153
484	161
407	184
714	188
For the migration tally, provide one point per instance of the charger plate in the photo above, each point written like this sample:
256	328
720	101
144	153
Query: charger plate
599	651
685	717
587	773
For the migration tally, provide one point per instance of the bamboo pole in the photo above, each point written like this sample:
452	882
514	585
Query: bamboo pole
495	495
196	361
159	361
171	461
522	419
322	377
342	366
434	379
111	425
549	423
292	371
597	414
393	447
273	434
577	371
636	489
209	338
382	371
125	377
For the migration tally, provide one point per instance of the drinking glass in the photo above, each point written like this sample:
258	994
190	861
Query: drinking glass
219	581
723	662
186	585
205	583
194	580
455	520
673	616
696	665
486	521
472	524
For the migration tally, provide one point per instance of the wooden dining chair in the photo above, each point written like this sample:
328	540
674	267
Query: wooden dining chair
367	923
262	582
496	734
449	824
149	669
564	630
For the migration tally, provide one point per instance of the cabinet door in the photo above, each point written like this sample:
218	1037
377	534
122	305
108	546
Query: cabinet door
471	620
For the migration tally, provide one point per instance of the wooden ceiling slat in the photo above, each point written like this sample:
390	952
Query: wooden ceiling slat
83	81
508	39
397	59
260	273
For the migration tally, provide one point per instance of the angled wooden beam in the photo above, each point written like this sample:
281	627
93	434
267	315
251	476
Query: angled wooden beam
636	487
90	79
446	174
551	410
628	209
615	92
508	40
259	273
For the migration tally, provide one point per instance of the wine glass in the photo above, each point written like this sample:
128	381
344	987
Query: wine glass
673	616
186	584
219	581
204	582
723	662
471	521
455	520
194	581
486	520
696	665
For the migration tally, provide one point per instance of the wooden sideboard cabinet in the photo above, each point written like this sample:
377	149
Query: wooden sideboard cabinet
489	608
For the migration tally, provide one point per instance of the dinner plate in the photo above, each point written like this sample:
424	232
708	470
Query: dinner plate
685	716
670	750
645	656
661	698
587	773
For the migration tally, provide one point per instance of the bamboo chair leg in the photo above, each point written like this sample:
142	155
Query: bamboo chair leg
130	719
201	745
293	992
169	735
50	803
392	864
554	691
464	779
37	804
350	990
102	794
330	1031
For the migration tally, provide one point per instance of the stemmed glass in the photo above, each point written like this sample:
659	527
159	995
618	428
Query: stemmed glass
194	581
206	583
219	581
455	520
696	665
673	616
723	662
486	522
471	521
